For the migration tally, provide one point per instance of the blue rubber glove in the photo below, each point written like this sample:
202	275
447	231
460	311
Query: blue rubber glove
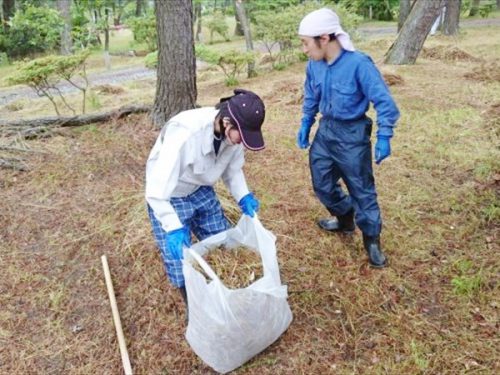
249	204
304	131
176	239
382	148
303	136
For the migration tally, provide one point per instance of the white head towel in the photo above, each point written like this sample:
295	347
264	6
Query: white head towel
325	21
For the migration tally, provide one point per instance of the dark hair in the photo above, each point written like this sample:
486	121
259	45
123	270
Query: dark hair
317	38
223	112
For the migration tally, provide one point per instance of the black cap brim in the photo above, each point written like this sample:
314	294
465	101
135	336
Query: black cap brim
252	140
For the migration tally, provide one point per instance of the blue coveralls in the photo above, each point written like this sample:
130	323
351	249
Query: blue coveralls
342	92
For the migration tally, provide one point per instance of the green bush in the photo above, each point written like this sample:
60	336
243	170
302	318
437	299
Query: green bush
281	27
380	10
83	32
206	54
43	75
217	25
33	30
232	63
151	60
4	60
144	30
485	10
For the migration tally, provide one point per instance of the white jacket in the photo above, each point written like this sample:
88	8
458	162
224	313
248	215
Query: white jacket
183	159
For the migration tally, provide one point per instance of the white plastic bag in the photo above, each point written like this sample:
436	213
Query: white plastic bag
227	327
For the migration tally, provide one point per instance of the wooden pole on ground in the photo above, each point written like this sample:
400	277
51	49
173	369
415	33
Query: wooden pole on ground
116	318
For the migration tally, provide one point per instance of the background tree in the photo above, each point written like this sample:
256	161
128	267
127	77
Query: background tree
238	28
197	17
412	36
404	11
139	7
176	72
33	30
451	17
64	7
372	9
240	11
474	8
8	9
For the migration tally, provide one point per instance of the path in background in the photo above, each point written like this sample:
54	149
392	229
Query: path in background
140	73
367	31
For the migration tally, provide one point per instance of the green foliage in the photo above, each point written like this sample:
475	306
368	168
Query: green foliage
43	74
467	282
382	10
32	30
232	63
231	81
466	285
4	59
217	25
492	212
94	101
302	56
206	54
419	356
281	28
144	30
486	9
83	32
285	57
151	60
279	66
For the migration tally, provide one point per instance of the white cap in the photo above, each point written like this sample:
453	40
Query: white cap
325	21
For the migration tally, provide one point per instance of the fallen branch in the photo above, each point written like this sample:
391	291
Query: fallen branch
14	127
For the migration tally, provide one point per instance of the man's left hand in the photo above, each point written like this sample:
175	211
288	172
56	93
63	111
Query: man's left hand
382	148
249	204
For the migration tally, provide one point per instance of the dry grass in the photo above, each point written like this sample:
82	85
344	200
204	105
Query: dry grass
433	311
447	53
236	268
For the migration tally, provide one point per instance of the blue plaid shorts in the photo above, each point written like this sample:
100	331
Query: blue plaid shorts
201	212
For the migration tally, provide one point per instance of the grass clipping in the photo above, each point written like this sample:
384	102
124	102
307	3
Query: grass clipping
237	268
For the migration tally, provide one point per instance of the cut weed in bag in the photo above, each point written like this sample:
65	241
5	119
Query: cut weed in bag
232	318
236	268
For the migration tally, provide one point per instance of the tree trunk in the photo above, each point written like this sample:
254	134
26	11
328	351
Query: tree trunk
176	72
240	11
451	17
64	7
238	28
404	11
107	57
498	4
8	10
197	14
412	36
474	8
138	8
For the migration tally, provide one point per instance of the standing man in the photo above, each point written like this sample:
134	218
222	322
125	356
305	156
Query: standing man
194	150
340	83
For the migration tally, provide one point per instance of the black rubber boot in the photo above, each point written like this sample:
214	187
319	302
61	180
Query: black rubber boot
375	254
184	297
340	224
